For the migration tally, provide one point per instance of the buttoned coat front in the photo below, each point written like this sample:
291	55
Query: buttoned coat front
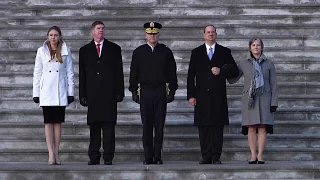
101	81
209	90
53	81
260	114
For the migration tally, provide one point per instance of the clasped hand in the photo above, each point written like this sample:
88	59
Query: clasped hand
215	71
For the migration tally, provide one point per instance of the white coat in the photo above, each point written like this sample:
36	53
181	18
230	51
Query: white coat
53	81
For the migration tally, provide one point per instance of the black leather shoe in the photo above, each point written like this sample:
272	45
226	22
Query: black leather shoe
158	161
91	162
217	161
107	162
208	161
147	162
253	162
260	162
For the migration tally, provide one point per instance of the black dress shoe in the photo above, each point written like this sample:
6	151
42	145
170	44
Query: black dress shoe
253	162
158	161
91	162
260	162
147	162
208	161
217	161
107	162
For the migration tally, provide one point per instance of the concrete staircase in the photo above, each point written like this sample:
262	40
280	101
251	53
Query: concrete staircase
291	33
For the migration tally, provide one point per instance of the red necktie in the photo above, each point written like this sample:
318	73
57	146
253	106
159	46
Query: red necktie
98	49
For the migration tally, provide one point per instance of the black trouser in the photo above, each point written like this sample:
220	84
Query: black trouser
211	139
153	107
108	130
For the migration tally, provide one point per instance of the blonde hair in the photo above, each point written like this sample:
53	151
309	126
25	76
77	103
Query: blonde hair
59	47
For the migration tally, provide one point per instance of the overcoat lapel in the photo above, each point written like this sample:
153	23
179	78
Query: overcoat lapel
216	60
204	52
93	49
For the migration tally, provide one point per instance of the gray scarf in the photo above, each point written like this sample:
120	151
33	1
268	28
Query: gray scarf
257	83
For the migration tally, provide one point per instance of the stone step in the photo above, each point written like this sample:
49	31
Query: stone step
169	2
160	10
170	42
173	114
295	58
282	67
134	127
234	101
183	141
178	170
40	18
7	65
294	49
13	90
309	30
289	76
169	154
10	3
281	64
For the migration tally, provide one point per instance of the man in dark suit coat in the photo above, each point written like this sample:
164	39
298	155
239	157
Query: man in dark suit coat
101	87
210	65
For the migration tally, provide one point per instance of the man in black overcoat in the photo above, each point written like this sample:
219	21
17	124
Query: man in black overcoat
152	68
210	65
101	86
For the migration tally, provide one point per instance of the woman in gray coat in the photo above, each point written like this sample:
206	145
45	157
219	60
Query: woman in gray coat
259	98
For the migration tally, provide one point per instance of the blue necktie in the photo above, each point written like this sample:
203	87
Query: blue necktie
210	53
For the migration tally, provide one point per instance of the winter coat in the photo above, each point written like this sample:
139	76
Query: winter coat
260	114
210	90
53	81
101	81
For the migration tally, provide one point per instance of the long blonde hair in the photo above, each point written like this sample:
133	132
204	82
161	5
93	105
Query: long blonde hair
59	47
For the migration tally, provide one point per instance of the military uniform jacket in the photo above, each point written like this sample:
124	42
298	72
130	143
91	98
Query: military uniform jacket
208	89
153	68
101	80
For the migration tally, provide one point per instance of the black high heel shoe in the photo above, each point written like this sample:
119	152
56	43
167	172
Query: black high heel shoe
253	162
261	162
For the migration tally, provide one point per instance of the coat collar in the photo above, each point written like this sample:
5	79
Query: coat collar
263	57
93	47
216	49
215	44
64	48
92	43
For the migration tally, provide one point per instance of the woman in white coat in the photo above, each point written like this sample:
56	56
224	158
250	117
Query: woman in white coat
53	87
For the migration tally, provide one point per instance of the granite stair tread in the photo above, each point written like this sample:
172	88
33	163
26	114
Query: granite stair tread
179	170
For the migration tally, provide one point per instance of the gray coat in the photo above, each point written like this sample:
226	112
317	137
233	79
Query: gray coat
260	114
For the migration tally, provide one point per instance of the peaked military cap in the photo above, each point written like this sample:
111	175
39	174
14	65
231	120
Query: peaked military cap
152	27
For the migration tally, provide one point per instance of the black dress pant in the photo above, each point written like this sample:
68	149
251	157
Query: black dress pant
211	139
153	107
108	130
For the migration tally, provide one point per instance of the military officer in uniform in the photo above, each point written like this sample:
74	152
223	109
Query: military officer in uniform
153	71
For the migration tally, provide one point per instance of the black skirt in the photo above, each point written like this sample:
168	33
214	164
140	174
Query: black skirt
54	114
